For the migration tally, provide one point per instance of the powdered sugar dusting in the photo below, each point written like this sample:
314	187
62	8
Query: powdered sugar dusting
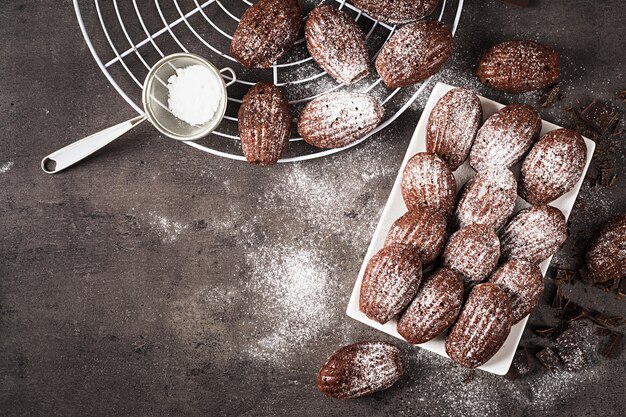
6	167
167	229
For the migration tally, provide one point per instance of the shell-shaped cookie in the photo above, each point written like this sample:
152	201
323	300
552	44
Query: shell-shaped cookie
482	328
337	44
265	32
391	279
397	11
533	234
505	137
553	166
415	52
427	181
519	66
434	309
452	126
421	230
523	283
488	198
606	256
473	252
264	123
360	369
335	120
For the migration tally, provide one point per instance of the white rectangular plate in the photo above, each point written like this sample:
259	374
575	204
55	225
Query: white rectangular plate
499	364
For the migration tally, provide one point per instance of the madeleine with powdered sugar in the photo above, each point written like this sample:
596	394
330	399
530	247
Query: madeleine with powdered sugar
482	328
390	282
488	198
473	252
337	44
452	126
428	182
397	11
360	369
505	137
434	309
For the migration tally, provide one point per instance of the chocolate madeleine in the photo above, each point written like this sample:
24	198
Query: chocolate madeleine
337	44
606	256
534	234
519	66
427	181
434	309
265	32
415	52
505	137
390	282
397	11
264	123
523	282
335	120
360	369
420	230
488	198
553	166
452	126
473	252
482	328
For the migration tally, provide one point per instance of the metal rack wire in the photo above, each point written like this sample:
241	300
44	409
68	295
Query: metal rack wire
127	37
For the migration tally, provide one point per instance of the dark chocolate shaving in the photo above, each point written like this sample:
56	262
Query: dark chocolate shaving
565	275
611	348
601	331
546	331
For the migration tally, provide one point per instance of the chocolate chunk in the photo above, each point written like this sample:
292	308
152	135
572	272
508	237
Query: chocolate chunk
622	95
601	331
548	359
573	357
518	3
600	116
614	341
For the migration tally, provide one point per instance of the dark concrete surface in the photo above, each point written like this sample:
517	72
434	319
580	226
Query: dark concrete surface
154	279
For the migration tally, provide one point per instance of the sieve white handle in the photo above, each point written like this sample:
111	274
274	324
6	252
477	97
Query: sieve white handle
81	149
233	76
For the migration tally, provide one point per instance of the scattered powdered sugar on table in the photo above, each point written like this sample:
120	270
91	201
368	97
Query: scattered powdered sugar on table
6	167
291	284
167	229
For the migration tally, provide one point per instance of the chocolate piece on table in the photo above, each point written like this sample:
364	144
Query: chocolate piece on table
521	364
600	116
548	359
550	95
573	357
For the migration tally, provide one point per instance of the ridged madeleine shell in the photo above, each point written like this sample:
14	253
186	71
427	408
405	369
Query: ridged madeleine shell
505	137
606	256
420	230
415	52
523	282
473	252
360	369
427	181
452	126
518	66
482	328
396	11
264	123
488	198
391	279
553	166
434	309
337	44
265	32
534	234
335	120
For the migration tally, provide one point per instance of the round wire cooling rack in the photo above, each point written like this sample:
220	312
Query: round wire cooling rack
127	37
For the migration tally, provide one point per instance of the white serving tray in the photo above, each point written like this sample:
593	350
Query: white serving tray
499	364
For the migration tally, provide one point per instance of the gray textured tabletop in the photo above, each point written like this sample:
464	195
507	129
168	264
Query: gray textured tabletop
154	279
